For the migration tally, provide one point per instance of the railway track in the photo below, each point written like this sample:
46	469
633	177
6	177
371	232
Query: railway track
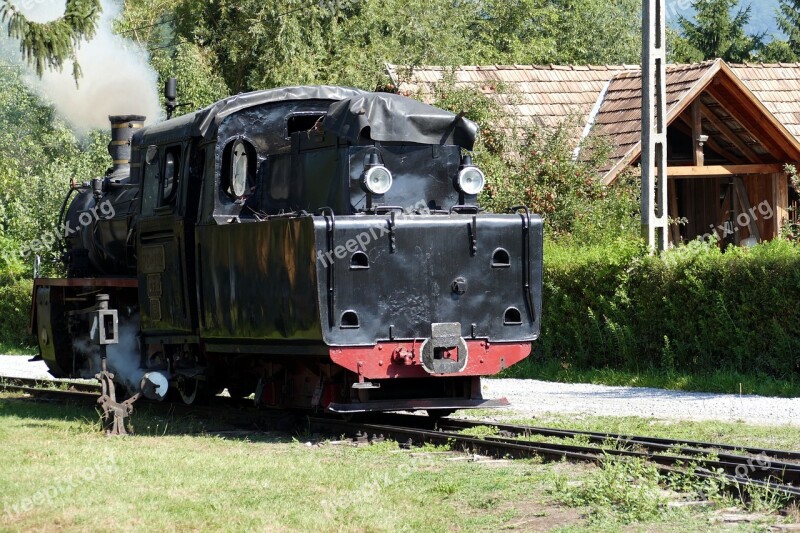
777	470
739	467
55	388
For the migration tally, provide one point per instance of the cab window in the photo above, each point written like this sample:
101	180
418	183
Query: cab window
152	180
170	175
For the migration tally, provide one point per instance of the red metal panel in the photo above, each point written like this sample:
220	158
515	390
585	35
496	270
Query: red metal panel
388	360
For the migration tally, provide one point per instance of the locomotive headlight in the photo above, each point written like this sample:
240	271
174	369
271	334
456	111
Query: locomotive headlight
377	179
470	180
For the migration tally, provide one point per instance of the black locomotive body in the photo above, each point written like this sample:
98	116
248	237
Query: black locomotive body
314	246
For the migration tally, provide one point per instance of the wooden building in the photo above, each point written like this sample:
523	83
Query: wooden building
732	128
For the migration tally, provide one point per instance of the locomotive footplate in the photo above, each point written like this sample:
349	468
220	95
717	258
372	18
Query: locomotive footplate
412	405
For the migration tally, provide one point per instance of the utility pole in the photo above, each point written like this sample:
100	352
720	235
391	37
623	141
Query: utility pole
655	222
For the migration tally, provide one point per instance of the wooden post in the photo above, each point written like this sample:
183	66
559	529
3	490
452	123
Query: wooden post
780	200
697	135
744	204
673	212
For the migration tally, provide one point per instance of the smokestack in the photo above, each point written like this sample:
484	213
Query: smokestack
122	129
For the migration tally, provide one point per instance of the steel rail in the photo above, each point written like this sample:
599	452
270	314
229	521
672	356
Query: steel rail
16	383
594	436
687	447
55	393
515	448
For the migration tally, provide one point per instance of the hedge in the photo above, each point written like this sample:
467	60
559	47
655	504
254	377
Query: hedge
694	309
15	305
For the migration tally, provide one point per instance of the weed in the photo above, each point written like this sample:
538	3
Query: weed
480	431
763	499
628	490
713	488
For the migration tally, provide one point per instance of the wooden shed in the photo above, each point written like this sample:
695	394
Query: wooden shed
732	128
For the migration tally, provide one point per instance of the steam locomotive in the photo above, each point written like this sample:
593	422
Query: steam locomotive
316	247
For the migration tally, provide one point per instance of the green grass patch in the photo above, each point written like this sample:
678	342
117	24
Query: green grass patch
176	474
7	348
720	381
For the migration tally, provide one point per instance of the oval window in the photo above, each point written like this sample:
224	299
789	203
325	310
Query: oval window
170	173
238	184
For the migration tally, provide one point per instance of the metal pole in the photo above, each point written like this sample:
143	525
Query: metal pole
655	222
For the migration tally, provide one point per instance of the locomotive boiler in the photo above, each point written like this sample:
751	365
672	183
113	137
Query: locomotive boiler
316	247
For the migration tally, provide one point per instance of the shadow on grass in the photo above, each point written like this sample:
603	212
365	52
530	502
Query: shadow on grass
151	419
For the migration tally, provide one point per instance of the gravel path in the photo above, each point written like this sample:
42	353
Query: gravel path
19	366
531	398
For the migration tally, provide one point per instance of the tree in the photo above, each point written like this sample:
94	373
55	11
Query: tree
715	33
266	43
559	31
598	32
39	155
50	44
151	24
789	22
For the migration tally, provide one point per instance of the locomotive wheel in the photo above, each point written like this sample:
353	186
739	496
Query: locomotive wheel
191	390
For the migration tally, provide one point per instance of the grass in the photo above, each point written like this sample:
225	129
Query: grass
60	473
15	349
722	381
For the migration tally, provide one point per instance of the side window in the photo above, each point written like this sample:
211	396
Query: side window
170	175
303	121
152	180
238	166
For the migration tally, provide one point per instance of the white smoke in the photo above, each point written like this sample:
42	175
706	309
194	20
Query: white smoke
117	77
123	358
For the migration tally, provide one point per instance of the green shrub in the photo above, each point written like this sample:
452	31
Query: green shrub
15	305
693	309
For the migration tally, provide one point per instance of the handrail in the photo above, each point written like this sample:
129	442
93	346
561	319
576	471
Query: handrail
526	252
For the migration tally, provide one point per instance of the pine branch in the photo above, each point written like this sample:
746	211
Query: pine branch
48	45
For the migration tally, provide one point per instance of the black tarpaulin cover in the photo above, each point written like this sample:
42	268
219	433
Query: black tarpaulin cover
387	117
206	120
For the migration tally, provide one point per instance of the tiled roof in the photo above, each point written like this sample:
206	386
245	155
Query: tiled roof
607	96
620	114
778	88
542	95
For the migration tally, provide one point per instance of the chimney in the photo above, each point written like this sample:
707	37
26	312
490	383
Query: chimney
122	129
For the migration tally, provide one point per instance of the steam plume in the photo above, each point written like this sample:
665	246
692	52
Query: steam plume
123	358
117	78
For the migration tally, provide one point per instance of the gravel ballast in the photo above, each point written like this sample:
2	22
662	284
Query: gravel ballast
530	398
